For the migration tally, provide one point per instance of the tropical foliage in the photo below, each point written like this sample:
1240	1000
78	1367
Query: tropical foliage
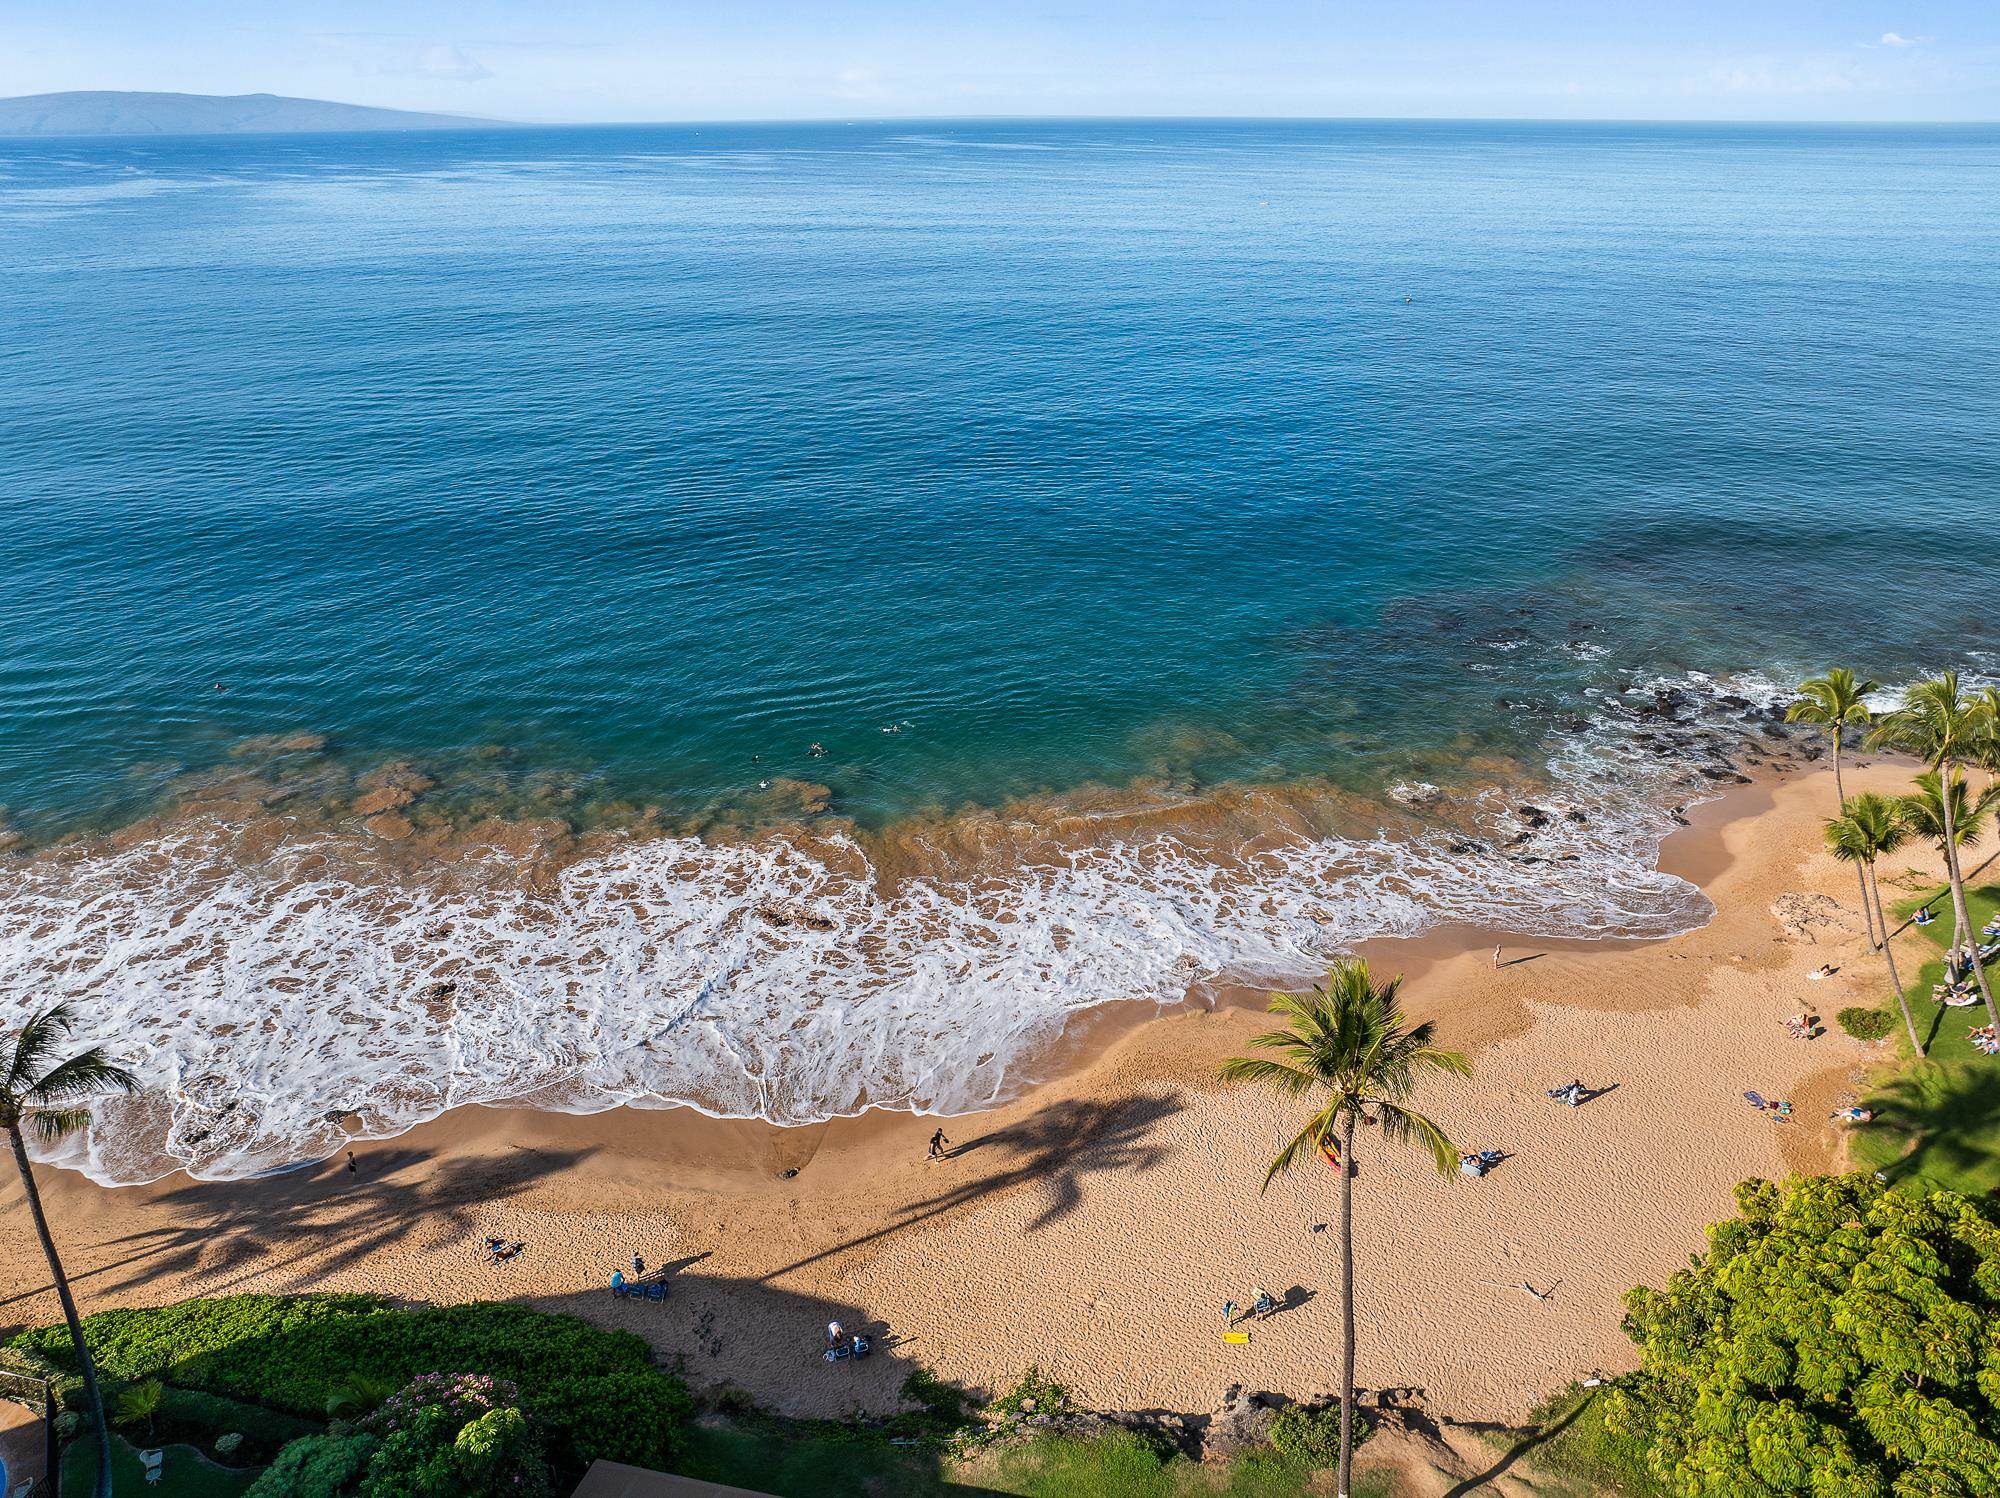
1836	1338
46	1097
593	1393
1345	1048
1939	724
1868	829
323	1466
1838	703
455	1436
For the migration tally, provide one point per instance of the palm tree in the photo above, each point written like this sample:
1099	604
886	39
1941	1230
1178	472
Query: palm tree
1986	753
1951	821
1941	726
141	1401
1873	827
1837	702
1345	1046
46	1100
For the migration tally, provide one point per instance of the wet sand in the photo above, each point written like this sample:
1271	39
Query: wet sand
1097	1224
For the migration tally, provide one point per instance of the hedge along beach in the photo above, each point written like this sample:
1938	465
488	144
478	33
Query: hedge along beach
1114	1207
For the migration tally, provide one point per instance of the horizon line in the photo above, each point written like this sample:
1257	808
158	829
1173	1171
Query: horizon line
487	122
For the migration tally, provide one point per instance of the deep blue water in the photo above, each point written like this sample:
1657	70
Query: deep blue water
1086	450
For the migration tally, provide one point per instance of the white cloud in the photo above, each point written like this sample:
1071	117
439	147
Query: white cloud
1893	39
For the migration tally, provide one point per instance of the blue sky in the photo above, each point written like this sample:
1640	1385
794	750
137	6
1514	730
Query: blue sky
589	60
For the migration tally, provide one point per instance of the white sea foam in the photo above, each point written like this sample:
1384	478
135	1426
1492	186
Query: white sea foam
261	1003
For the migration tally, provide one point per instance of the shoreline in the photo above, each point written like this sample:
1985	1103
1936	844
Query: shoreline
1114	1204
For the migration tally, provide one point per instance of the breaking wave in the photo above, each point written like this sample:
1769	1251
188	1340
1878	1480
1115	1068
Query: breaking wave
274	1005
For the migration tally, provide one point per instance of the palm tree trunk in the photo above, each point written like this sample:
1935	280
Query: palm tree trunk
102	1489
1840	794
1961	919
1868	915
1889	956
1346	1305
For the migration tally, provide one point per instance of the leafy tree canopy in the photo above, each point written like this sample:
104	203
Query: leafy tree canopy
1837	1338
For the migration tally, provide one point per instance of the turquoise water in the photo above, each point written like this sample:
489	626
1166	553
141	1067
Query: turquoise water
581	471
1086	451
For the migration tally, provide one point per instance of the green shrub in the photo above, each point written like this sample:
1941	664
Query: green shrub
1036	1394
1866	1024
455	1436
1312	1436
229	1443
931	1394
638	1416
596	1393
1837	1337
316	1467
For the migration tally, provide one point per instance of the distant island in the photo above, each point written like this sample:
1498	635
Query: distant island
113	112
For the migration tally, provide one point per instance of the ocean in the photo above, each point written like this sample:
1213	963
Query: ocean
781	618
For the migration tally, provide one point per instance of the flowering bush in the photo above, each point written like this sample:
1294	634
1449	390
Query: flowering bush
455	1435
462	1396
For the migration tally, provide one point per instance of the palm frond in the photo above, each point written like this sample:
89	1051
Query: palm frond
1318	1129
1291	1080
52	1125
1402	1125
1347	1041
35	1043
1836	700
84	1075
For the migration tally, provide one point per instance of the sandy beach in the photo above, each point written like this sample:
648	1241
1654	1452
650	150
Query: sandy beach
1096	1225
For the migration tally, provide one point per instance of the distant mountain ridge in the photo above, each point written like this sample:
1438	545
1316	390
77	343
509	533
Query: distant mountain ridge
114	112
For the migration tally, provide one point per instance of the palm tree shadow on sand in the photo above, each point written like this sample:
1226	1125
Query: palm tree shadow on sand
1058	1149
320	1218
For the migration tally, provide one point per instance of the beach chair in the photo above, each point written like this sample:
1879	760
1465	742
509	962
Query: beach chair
656	1290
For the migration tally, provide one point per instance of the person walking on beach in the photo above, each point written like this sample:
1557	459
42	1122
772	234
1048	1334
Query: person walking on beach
350	1163
938	1143
1229	1309
1496	957
638	1267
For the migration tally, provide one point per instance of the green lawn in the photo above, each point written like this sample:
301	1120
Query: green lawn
1937	1121
184	1473
1574	1453
822	1460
